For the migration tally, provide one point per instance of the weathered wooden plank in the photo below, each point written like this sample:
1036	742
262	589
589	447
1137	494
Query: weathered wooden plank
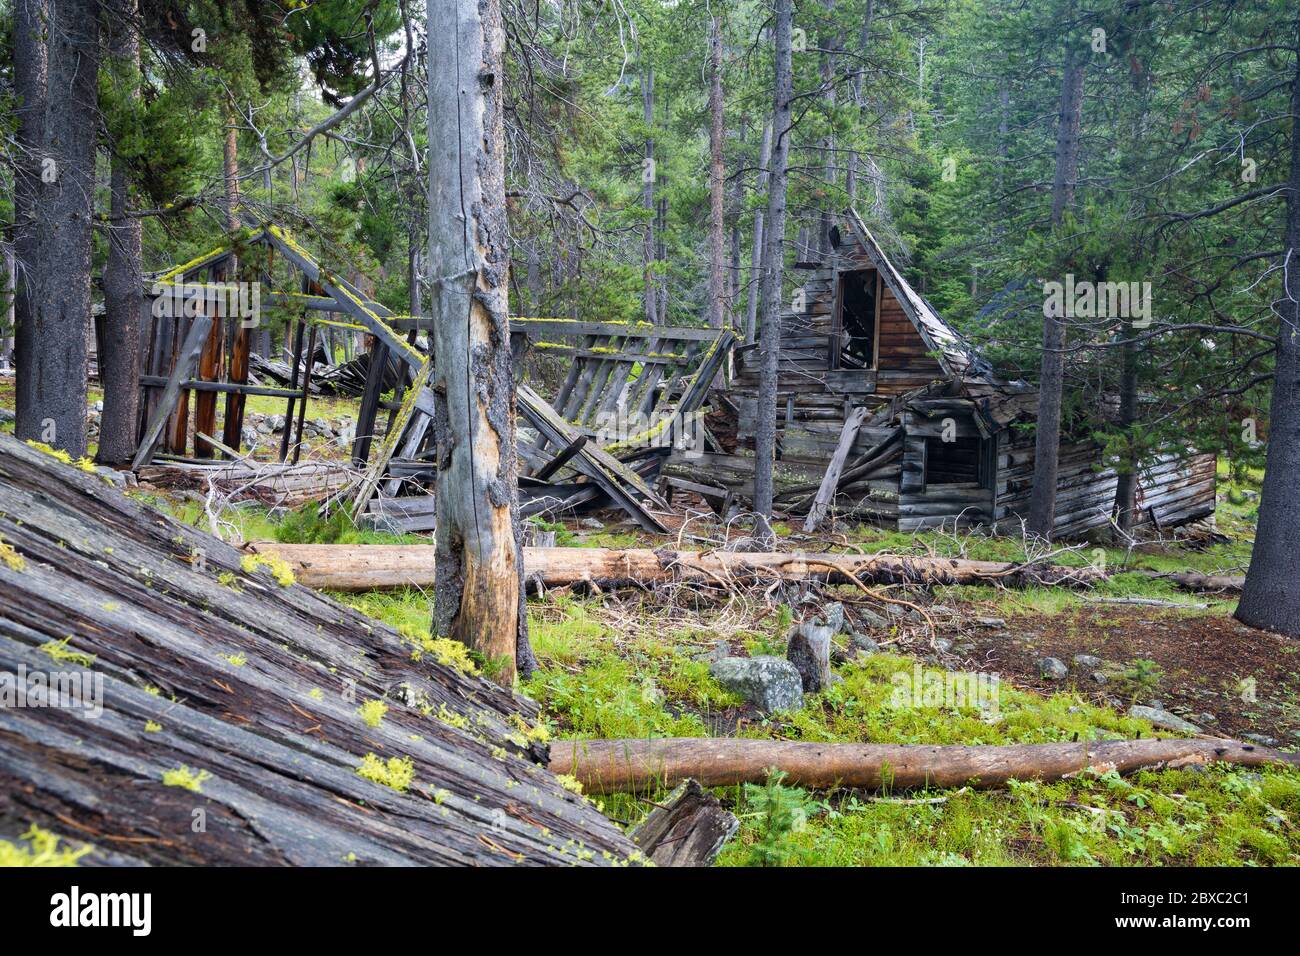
207	663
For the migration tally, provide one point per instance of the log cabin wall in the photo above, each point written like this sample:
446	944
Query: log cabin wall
814	392
1172	489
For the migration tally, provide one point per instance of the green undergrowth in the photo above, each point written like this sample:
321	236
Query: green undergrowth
596	682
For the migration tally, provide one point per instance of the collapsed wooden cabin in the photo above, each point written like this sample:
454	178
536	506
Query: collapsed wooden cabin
168	700
886	415
575	453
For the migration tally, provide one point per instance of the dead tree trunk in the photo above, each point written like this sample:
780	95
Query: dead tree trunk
119	361
1047	439
478	598
648	192
53	409
1271	597
756	249
30	74
612	766
241	342
773	263
718	305
363	567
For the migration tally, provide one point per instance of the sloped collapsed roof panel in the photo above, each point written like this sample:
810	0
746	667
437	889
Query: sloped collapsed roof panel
955	356
226	692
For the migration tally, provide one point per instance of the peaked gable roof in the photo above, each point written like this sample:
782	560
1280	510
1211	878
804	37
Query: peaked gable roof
955	356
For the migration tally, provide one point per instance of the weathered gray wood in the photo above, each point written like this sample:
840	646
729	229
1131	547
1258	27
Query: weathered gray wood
257	684
687	828
831	481
181	372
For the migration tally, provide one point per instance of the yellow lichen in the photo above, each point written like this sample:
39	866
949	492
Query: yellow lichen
152	727
372	712
58	650
278	567
183	776
10	556
397	773
447	652
235	660
42	850
569	782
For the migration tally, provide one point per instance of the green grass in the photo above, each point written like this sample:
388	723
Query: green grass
597	682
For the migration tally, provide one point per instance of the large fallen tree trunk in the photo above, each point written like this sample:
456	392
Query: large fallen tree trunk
613	766
173	701
364	567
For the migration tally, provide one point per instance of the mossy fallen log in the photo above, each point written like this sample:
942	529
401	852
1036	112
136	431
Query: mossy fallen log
194	705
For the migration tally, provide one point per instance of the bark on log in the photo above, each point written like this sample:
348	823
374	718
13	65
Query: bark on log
689	828
613	766
368	566
217	667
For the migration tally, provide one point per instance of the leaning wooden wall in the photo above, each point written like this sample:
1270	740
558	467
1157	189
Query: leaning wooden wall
1172	490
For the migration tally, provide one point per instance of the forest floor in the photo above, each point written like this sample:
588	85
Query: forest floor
633	664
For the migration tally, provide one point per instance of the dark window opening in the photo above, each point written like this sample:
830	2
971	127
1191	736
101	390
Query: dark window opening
956	462
857	319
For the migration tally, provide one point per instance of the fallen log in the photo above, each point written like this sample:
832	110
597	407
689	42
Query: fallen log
365	567
614	766
152	675
1193	581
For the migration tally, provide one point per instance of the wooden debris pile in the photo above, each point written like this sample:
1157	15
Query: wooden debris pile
201	708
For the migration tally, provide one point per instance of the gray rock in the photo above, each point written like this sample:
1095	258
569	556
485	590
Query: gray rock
864	643
1262	739
809	650
1206	718
993	623
870	618
770	683
1097	677
942	645
592	524
1052	669
720	650
1163	719
833	617
1087	661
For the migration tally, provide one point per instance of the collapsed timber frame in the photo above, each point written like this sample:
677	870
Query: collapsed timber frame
886	415
619	373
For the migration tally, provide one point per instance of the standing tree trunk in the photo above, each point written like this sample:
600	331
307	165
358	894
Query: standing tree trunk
30	74
1047	439
52	407
119	365
773	263
648	174
1271	597
1126	485
242	340
479	594
718	306
756	249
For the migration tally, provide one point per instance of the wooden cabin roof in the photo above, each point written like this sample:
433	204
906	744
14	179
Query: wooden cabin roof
955	356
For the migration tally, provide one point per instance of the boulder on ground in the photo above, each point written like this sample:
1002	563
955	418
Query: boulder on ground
769	683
